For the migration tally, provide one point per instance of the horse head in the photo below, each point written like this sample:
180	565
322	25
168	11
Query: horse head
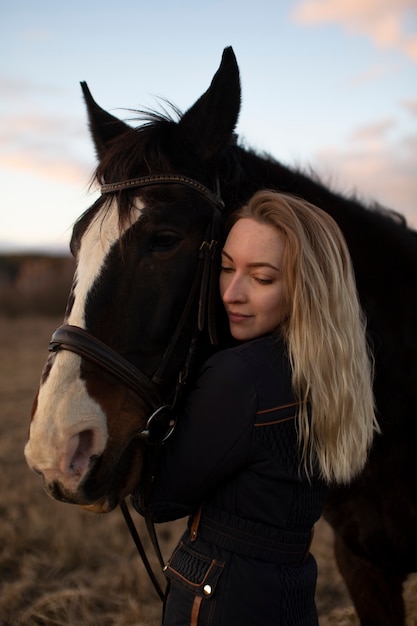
136	307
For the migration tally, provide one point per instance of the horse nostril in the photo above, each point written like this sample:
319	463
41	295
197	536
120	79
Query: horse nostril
82	446
85	440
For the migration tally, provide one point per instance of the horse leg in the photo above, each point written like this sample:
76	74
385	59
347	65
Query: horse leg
376	594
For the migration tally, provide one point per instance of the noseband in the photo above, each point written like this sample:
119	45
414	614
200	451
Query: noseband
204	286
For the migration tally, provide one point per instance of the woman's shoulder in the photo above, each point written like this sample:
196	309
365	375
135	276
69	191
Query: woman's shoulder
251	358
268	348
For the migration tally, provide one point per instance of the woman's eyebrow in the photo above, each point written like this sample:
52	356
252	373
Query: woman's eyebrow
224	253
255	264
264	264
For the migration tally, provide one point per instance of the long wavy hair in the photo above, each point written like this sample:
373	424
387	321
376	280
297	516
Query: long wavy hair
325	333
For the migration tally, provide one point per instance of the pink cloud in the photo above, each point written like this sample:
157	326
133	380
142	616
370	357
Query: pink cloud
373	132
411	106
51	169
375	168
15	89
48	147
383	21
20	127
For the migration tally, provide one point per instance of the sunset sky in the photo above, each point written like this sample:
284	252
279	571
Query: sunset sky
326	84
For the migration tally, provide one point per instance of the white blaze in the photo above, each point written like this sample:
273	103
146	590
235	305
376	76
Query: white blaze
64	408
100	236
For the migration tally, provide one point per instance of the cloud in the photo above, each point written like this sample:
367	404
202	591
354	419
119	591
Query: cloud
410	106
375	73
40	35
21	128
374	166
14	89
373	132
53	169
47	146
385	22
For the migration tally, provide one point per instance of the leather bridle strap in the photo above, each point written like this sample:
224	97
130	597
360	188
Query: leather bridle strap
158	179
79	341
203	277
207	249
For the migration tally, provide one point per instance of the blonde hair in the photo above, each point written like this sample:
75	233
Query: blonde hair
325	333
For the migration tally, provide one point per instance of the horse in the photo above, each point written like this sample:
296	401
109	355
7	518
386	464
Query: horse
142	314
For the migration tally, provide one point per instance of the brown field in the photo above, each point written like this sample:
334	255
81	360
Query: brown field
62	566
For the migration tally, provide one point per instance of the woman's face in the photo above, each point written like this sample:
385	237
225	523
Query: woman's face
252	279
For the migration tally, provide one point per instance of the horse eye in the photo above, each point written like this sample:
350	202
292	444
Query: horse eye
165	241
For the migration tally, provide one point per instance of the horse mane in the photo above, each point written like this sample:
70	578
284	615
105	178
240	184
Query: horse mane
372	207
144	144
148	149
137	152
151	148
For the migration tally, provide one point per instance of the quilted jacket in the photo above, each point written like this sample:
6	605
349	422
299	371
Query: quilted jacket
233	466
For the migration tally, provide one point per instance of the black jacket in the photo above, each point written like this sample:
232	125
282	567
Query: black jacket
235	452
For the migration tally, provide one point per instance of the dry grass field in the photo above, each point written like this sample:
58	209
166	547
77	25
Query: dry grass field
62	566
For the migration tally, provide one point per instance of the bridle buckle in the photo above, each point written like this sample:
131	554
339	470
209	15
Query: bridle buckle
152	432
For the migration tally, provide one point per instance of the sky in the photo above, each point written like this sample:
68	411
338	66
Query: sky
327	85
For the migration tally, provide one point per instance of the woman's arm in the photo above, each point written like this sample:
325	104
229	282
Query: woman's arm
211	440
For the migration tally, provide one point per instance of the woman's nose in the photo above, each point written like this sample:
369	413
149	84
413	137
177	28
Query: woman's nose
234	291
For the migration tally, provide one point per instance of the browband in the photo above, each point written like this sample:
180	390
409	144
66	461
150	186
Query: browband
144	181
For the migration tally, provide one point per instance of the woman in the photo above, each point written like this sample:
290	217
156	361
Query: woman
270	424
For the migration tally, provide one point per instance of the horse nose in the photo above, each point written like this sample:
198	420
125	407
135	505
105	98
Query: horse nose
69	461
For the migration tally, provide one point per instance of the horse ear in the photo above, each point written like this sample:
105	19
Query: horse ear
103	126
207	127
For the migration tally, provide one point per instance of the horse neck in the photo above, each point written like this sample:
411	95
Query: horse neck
256	172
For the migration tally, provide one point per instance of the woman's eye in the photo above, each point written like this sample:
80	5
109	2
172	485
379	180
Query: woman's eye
263	281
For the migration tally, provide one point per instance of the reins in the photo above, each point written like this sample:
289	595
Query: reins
81	342
141	550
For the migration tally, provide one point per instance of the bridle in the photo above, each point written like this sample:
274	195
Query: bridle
160	424
81	342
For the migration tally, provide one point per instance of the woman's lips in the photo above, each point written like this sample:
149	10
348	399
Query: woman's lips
237	318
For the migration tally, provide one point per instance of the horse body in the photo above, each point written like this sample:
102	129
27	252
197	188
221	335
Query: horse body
136	257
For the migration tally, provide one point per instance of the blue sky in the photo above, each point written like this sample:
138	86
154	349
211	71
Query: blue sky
326	84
